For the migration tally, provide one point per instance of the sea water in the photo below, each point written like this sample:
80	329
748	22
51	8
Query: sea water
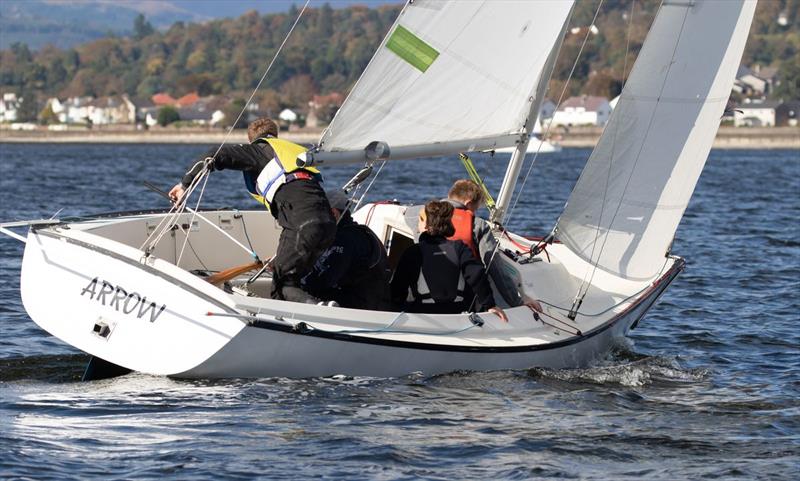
707	386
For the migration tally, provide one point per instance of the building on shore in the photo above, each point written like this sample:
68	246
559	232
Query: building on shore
9	104
755	113
583	110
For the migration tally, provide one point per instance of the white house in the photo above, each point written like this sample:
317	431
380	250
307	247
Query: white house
288	115
8	107
75	110
757	82
116	109
755	114
583	110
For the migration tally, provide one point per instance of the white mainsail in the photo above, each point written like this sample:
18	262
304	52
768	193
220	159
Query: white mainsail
627	204
451	76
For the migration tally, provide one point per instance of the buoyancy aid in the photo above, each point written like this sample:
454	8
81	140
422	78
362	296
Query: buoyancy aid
280	170
440	267
463	221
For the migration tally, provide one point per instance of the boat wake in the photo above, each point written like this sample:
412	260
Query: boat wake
626	368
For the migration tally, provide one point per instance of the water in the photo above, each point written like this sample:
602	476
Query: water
706	387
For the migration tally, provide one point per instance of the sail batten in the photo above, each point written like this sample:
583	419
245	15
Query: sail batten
628	202
438	76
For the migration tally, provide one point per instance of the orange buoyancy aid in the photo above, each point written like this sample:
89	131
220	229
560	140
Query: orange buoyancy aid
463	220
283	168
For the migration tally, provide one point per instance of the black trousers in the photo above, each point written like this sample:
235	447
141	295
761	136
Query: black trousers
302	210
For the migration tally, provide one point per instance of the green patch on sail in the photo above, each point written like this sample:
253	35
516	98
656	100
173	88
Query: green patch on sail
411	48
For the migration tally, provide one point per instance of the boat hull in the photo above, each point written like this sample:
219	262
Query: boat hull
114	305
149	315
269	350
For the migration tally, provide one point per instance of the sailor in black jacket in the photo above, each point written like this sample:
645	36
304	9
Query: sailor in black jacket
441	276
293	195
354	271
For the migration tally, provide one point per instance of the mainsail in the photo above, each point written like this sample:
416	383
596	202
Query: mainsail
450	76
627	204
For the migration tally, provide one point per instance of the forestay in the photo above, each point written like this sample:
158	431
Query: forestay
629	200
455	75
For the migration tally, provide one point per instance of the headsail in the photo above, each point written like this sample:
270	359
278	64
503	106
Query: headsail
629	200
450	76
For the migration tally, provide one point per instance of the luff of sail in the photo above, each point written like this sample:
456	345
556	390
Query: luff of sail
627	204
450	76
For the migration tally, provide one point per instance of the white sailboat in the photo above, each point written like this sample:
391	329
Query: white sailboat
120	287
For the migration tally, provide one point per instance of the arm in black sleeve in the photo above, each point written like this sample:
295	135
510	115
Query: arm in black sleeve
235	157
406	274
476	278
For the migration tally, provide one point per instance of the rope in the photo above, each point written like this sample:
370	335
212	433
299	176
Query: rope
473	174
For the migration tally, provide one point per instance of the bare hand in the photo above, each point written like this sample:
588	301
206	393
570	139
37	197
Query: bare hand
177	192
499	313
532	304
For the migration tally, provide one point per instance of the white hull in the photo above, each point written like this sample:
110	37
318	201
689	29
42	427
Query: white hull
86	285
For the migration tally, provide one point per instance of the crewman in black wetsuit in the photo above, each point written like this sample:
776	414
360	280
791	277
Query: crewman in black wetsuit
354	271
439	275
292	194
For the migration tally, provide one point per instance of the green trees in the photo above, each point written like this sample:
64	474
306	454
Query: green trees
330	47
141	27
167	115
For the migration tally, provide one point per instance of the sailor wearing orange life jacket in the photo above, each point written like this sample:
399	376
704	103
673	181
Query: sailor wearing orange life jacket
466	197
293	195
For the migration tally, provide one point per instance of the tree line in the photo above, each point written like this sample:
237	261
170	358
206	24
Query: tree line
329	49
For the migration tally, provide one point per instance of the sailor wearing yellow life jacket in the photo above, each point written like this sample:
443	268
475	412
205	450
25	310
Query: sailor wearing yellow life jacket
292	194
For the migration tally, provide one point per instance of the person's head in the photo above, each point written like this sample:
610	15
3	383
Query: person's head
436	219
262	127
338	201
468	193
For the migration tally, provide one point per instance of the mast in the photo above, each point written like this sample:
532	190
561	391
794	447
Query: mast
518	156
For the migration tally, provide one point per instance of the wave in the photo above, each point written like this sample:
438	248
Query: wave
625	372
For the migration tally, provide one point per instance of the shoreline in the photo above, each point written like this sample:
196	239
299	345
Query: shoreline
577	137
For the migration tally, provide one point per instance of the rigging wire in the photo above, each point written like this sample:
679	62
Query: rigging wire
203	174
549	126
593	269
369	186
558	104
638	154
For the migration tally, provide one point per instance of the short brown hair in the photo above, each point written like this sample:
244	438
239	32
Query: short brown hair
466	191
439	218
262	127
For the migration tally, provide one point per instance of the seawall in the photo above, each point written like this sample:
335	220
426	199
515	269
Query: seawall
727	137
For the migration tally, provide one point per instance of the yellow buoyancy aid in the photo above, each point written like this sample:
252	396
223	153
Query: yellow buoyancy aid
274	174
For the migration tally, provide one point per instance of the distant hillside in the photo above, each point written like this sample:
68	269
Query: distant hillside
330	48
37	23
